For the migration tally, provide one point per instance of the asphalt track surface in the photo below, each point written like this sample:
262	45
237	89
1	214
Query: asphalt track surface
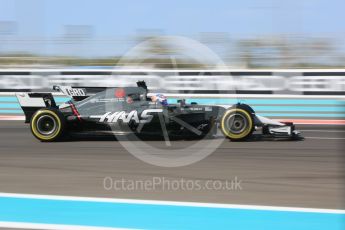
307	173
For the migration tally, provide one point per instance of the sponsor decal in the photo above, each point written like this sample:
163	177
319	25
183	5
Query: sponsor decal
195	109
120	93
97	100
114	117
202	126
73	92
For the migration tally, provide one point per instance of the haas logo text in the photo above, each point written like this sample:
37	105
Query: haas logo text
113	117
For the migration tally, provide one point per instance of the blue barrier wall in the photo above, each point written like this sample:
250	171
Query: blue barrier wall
270	107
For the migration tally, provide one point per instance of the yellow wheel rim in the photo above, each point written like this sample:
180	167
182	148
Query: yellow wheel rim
245	132
34	125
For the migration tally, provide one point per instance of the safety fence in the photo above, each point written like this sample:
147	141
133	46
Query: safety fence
292	82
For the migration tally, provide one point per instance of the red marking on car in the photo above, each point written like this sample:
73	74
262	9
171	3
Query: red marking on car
120	92
75	111
313	121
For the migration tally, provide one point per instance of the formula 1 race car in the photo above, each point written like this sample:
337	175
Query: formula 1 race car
133	110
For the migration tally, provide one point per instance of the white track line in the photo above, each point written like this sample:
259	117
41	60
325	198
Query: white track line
12	118
326	138
171	203
18	225
320	130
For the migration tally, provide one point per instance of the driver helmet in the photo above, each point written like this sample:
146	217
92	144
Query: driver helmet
160	98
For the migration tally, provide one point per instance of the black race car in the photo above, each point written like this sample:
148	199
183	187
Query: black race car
126	110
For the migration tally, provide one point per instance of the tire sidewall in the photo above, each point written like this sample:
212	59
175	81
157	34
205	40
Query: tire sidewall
248	130
59	119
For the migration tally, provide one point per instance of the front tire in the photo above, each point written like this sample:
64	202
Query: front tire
237	124
48	125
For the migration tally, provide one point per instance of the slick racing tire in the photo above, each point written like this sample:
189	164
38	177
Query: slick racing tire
48	125
237	124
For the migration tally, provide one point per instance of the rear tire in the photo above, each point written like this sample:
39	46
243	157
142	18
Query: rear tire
48	125
237	124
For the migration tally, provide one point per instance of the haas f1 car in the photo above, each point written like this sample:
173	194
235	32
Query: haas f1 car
133	110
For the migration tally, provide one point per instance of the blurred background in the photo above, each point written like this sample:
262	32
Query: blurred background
244	34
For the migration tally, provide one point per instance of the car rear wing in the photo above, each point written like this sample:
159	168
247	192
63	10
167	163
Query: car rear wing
31	102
